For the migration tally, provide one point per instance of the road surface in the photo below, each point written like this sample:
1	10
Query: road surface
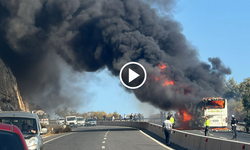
227	135
108	138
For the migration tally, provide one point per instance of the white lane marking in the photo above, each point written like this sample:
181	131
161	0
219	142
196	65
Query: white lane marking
156	141
105	138
103	141
105	135
223	137
211	134
56	138
103	147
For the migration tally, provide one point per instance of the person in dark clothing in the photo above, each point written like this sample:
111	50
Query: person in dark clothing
104	117
131	116
234	123
161	116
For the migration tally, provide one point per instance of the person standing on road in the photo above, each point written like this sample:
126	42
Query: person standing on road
125	117
167	127
234	123
135	117
172	120
131	116
113	118
207	127
104	117
161	116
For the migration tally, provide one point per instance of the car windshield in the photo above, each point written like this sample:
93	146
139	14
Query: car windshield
26	125
10	141
80	119
61	119
91	120
71	118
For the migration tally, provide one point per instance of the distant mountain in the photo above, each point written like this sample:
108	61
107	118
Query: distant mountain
10	97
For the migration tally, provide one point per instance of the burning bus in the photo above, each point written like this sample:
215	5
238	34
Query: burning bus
216	110
43	117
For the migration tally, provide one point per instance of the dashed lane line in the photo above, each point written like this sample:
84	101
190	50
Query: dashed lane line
56	138
103	147
105	138
103	141
156	141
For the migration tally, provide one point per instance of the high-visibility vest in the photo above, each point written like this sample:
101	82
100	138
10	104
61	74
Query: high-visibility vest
172	120
207	122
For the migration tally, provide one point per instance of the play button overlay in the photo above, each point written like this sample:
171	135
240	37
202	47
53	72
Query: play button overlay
133	75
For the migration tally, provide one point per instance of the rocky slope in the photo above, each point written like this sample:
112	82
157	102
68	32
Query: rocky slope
10	98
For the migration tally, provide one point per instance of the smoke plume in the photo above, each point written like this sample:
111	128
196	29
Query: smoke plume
38	36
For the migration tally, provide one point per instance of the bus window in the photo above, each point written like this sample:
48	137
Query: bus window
215	104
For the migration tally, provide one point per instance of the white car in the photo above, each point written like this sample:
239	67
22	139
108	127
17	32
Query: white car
71	120
60	121
90	122
29	125
80	121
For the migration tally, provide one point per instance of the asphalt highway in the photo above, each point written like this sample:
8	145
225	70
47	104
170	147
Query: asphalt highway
227	135
108	138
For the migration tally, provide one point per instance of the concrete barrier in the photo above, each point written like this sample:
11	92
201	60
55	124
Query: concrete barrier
184	139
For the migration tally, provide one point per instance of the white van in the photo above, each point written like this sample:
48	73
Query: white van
80	121
71	120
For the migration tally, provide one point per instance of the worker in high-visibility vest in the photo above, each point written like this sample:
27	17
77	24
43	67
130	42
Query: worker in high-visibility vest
172	121
207	126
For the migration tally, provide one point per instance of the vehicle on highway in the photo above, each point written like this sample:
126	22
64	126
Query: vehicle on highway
216	110
71	120
11	138
80	121
60	121
90	122
43	117
29	125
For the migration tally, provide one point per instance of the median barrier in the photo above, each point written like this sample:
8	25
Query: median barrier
184	139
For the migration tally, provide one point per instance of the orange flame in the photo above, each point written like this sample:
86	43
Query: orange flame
216	104
220	128
186	116
162	66
166	81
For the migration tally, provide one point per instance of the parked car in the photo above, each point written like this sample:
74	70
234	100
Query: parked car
71	120
11	138
29	125
90	122
60	121
80	121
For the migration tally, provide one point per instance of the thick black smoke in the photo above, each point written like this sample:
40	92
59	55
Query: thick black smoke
37	36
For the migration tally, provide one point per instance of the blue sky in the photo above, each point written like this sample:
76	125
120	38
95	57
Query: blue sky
216	28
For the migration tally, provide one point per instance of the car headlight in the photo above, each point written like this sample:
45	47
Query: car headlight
67	123
32	142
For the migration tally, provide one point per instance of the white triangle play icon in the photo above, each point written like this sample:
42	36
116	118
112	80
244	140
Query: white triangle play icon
132	75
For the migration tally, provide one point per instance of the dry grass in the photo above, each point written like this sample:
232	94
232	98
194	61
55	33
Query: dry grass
55	129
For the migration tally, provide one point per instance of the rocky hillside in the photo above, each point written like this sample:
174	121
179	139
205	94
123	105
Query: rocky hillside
10	98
